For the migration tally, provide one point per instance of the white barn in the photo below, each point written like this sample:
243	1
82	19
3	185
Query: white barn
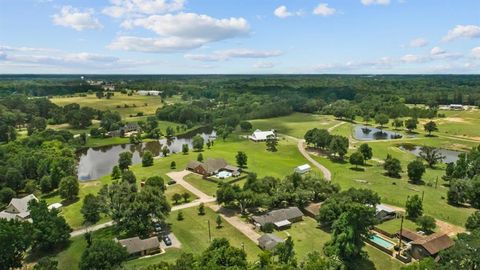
260	136
455	107
149	92
305	168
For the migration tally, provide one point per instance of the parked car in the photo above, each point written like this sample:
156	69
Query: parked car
172	182
167	240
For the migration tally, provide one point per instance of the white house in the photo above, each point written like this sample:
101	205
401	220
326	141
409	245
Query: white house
149	92
305	168
260	136
18	208
455	107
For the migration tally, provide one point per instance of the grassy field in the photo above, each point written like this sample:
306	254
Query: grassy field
296	124
172	189
395	191
124	104
463	124
392	226
261	161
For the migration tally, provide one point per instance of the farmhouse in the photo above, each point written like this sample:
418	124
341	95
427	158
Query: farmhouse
305	168
18	208
430	245
383	212
409	236
261	136
280	218
129	127
312	210
212	166
149	92
141	247
269	241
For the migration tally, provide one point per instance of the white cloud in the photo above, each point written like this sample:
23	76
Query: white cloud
263	65
76	19
282	12
476	52
180	31
418	42
233	53
412	58
463	31
324	10
437	51
375	2
127	8
3	55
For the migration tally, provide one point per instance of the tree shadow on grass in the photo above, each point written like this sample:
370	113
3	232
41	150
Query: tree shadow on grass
69	202
417	183
357	169
364	263
50	195
35	255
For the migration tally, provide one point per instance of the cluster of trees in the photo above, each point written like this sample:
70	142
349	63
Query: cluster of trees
272	193
334	145
38	163
464	179
47	231
349	215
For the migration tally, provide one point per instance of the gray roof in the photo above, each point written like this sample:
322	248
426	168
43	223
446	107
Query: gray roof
18	208
135	244
269	241
278	215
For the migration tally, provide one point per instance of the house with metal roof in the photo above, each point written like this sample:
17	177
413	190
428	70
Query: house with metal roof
305	168
18	208
261	136
384	212
280	218
140	247
269	241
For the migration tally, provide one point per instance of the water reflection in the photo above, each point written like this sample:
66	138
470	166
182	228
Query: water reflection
449	155
364	133
99	161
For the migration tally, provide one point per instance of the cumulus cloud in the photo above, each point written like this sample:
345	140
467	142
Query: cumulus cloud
412	58
375	2
263	65
233	53
47	58
463	31
127	8
418	42
180	31
437	51
76	19
476	52
324	10
3	55
283	12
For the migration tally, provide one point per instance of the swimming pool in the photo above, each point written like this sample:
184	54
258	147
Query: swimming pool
382	242
224	174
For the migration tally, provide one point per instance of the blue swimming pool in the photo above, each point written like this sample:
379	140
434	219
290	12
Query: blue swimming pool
382	242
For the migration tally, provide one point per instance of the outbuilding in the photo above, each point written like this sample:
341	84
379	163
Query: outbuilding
261	136
302	169
269	241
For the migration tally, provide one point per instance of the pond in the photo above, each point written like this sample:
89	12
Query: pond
99	161
364	133
450	155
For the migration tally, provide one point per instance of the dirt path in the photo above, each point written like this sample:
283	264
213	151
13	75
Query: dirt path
326	172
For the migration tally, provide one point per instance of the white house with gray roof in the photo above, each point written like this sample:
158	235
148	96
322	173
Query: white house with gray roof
261	136
18	208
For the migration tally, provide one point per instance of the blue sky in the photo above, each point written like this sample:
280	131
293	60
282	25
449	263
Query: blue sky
240	36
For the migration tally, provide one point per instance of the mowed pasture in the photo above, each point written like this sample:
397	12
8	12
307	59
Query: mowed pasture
126	105
264	163
296	124
463	124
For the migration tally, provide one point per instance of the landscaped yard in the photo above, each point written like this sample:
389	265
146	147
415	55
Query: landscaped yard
392	226
207	187
176	188
296	124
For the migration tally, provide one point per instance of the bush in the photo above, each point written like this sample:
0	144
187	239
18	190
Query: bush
268	228
426	223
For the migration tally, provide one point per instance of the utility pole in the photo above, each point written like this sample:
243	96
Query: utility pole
400	235
423	194
436	183
209	233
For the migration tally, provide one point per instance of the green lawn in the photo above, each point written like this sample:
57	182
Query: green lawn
395	191
392	226
207	187
261	161
176	188
465	124
136	103
296	124
192	232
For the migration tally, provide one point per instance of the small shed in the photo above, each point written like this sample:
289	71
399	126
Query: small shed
305	168
383	212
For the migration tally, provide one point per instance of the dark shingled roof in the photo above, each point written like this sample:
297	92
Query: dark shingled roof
278	215
407	234
269	241
135	244
435	243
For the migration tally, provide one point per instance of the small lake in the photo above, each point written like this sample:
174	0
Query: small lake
450	155
364	133
99	161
